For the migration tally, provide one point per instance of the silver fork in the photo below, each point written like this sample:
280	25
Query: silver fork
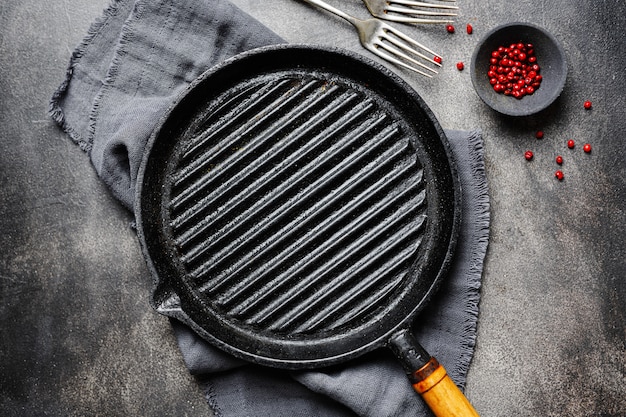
409	11
388	43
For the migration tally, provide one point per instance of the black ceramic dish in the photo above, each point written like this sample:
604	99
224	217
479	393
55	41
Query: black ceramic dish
550	57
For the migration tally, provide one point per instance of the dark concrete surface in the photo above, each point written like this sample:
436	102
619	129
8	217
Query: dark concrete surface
78	338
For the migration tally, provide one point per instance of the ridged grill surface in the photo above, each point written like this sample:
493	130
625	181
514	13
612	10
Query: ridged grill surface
297	206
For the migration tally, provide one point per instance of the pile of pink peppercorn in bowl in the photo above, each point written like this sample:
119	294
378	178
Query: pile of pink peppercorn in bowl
518	69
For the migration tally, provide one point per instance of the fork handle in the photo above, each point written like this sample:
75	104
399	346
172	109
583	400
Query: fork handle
334	10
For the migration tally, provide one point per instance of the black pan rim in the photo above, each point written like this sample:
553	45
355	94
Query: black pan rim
174	310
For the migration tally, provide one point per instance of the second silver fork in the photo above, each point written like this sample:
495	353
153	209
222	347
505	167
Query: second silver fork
410	11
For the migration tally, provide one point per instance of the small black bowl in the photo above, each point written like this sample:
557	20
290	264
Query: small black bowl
550	57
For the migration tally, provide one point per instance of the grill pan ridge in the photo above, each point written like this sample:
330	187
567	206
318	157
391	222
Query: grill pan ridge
295	206
255	237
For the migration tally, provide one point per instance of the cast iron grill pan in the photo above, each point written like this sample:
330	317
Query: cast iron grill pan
297	207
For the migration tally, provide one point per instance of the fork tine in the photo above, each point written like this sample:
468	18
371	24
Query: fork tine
398	62
406	13
400	54
421	3
409	4
409	50
406	44
408	10
410	41
406	19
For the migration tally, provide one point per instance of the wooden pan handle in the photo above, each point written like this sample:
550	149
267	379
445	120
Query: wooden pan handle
430	380
441	394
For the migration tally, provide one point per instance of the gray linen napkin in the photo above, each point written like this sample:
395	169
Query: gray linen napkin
135	60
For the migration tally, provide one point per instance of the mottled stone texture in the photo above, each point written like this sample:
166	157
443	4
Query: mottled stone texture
77	336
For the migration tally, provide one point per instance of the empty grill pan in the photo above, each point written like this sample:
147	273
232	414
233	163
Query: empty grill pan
298	207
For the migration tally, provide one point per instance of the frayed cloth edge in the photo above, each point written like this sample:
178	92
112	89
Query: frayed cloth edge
54	108
209	395
481	207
